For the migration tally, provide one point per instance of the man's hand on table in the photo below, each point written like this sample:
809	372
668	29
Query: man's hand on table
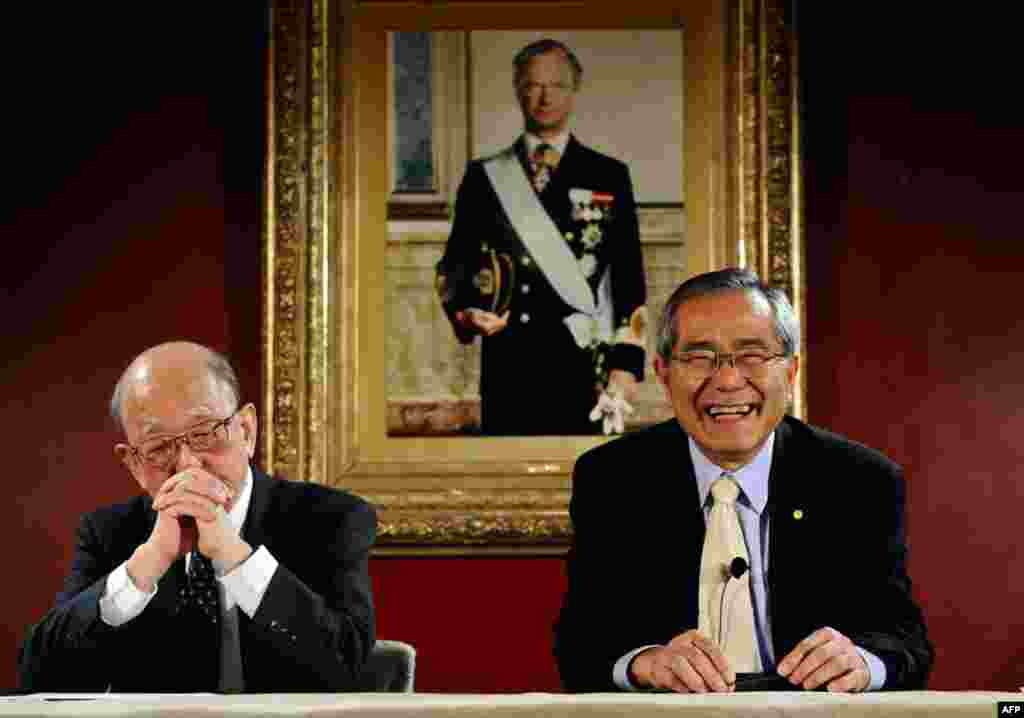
690	663
826	658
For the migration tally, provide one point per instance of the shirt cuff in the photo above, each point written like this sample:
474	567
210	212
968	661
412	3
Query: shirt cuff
249	580
620	672
876	669
122	600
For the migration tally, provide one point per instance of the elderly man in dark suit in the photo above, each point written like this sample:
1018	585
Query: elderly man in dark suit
544	262
218	577
819	559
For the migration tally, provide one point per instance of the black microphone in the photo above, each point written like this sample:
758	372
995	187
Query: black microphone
737	567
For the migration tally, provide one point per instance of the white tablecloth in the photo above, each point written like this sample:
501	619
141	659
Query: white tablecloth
911	704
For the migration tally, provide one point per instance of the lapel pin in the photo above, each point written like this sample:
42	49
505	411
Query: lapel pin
798	514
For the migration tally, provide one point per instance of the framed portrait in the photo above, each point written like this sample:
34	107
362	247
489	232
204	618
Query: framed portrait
375	107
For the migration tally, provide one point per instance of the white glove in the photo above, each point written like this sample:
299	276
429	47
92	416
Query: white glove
613	409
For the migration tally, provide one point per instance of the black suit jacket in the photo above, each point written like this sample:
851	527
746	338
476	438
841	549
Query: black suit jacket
312	632
634	566
535	356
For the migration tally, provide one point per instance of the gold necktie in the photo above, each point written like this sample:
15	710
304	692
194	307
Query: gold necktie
726	613
542	163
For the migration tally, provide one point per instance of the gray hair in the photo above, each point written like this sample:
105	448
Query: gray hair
216	363
787	326
541	47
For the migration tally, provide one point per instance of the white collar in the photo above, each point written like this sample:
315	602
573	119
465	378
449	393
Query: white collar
559	142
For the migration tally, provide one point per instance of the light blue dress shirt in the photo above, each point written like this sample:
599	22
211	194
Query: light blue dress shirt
750	507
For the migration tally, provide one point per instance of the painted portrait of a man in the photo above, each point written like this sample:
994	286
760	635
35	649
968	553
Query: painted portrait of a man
544	263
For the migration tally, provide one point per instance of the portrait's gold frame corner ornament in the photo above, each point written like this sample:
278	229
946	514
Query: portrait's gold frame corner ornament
325	209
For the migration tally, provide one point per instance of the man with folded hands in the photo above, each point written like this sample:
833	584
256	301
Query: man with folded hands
218	577
734	546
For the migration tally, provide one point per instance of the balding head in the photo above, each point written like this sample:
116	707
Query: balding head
167	393
179	362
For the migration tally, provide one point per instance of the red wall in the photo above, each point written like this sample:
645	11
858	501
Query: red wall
915	329
136	212
479	625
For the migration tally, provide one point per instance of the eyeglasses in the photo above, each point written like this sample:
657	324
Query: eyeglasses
706	363
160	452
535	89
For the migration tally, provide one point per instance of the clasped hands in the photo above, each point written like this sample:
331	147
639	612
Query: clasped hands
691	663
191	513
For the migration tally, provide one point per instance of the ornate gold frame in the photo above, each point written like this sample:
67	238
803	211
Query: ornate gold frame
326	197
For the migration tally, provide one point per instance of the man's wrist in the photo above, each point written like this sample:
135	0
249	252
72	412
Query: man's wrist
234	556
631	676
623	674
875	669
146	566
636	680
122	600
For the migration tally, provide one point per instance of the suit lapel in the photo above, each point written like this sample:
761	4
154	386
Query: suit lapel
696	534
787	495
691	495
676	446
254	532
254	526
682	499
790	549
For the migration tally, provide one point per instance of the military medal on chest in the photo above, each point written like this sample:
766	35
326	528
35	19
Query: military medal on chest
591	210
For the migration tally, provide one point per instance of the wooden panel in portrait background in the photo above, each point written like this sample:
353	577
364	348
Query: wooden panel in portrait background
327	296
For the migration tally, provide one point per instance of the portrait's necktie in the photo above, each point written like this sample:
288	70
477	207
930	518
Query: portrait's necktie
726	611
542	164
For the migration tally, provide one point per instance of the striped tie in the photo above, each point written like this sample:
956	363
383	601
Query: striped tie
542	164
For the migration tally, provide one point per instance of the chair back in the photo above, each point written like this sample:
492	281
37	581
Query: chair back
391	668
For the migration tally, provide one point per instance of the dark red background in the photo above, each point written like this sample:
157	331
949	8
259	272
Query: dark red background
133	167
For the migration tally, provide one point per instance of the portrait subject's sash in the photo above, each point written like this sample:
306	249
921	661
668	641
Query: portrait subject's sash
544	241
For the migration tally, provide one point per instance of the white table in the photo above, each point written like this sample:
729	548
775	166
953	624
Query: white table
911	704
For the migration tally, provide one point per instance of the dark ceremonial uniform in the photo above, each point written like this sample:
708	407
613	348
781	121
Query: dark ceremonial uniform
535	377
